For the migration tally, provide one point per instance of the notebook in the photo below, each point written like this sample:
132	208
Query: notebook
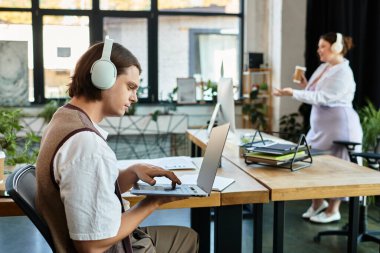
206	175
273	159
279	149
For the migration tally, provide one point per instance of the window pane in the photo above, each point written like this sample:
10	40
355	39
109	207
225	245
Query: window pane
66	4
133	34
122	5
65	39
16	26
213	6
197	47
16	4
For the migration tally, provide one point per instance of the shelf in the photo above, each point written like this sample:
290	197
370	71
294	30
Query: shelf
252	79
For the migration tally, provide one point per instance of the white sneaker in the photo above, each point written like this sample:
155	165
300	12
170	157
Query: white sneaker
311	212
323	218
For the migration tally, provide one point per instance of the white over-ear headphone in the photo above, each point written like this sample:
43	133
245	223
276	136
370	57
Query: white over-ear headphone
337	46
103	71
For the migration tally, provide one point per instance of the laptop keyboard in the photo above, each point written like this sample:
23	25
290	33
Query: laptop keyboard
186	189
179	189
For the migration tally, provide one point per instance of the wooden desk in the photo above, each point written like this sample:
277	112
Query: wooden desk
228	217
327	177
231	205
228	212
227	204
9	208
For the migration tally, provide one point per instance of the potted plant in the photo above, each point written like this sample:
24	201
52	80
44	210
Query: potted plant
370	121
48	111
18	148
171	105
290	127
210	90
256	110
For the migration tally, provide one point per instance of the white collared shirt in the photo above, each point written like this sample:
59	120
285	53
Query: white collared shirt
336	87
85	169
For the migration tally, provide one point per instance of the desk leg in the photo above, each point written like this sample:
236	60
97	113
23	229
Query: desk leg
195	150
228	229
257	228
200	222
353	221
278	227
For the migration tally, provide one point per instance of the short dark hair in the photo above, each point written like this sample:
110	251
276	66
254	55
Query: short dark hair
331	37
81	85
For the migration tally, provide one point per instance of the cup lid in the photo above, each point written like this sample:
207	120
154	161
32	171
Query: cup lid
301	68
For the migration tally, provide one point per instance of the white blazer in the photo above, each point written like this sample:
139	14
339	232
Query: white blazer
335	88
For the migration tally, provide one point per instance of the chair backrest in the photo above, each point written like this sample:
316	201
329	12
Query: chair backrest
350	146
21	185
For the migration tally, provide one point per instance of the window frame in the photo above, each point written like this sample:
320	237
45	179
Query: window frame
96	17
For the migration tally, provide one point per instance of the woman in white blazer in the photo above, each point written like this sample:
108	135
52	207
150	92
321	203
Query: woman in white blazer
330	91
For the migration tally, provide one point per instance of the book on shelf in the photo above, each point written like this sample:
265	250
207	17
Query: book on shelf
273	159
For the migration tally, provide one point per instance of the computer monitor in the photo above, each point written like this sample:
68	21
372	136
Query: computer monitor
213	118
227	103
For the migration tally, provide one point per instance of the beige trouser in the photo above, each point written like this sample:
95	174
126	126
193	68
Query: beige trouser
165	239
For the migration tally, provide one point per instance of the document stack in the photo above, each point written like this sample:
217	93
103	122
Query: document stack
280	154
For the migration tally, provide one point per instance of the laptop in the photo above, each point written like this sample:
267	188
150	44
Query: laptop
207	172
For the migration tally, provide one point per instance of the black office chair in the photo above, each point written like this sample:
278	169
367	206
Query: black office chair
373	160
21	186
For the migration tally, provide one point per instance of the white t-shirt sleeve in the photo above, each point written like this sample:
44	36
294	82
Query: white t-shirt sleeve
85	169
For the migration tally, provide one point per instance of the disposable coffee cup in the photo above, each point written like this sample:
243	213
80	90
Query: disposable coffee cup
297	76
2	163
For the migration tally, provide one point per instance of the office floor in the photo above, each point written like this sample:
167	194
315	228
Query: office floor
17	234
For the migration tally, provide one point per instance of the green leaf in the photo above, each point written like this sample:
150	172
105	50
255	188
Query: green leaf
370	121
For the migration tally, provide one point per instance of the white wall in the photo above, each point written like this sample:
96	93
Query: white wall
256	34
277	28
293	48
275	53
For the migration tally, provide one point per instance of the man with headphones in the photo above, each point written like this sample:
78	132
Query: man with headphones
330	91
79	185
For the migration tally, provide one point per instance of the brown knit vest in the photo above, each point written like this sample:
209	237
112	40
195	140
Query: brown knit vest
66	122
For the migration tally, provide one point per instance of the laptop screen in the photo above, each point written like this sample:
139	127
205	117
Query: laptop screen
213	154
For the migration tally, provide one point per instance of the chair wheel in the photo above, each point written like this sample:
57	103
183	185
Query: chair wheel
317	239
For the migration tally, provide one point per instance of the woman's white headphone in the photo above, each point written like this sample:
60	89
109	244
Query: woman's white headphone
337	46
103	71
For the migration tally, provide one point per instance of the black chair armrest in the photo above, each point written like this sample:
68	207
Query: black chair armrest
373	159
372	156
346	142
350	145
